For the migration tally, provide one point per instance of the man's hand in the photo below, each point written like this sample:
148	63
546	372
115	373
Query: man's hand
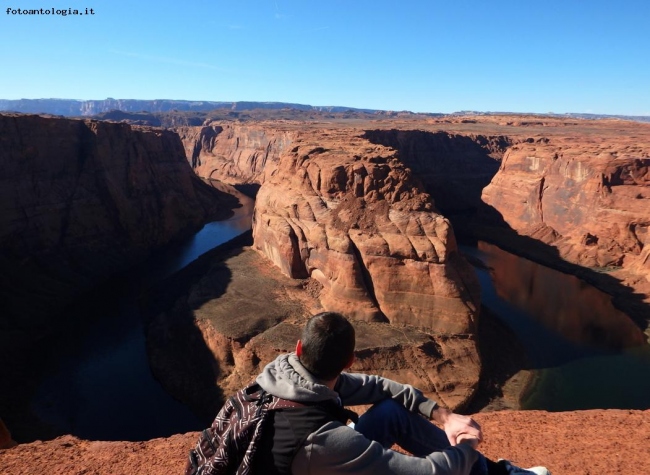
457	425
467	439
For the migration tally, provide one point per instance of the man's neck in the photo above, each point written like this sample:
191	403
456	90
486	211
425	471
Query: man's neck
332	383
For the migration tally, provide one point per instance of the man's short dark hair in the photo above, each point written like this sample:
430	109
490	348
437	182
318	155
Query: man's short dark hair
327	345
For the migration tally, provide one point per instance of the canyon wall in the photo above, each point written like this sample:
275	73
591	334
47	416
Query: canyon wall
234	153
591	200
347	212
81	200
241	313
453	167
574	192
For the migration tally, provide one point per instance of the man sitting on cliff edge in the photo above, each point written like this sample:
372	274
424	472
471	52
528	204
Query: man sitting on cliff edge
314	374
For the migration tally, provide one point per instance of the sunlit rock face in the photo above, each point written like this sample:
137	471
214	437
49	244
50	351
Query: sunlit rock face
81	200
349	214
589	198
234	153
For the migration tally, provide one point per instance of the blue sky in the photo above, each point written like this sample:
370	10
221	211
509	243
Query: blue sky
423	56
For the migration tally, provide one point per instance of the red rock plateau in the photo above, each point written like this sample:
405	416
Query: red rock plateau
609	442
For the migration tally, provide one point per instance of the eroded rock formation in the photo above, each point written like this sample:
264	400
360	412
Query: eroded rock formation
345	219
347	208
220	335
588	199
349	213
352	216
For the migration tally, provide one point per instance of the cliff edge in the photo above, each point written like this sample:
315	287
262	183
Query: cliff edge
569	443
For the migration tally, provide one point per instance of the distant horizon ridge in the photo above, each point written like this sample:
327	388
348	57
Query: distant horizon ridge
90	107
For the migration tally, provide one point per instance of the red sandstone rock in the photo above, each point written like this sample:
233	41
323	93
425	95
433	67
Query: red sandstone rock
589	198
233	153
215	340
594	195
81	200
569	443
346	212
349	214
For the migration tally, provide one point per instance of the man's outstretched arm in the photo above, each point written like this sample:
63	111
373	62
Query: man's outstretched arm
355	388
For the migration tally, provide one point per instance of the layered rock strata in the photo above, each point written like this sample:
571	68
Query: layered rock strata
590	198
234	153
453	167
220	335
351	230
350	214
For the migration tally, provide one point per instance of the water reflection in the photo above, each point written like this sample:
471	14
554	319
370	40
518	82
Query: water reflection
175	257
562	303
585	353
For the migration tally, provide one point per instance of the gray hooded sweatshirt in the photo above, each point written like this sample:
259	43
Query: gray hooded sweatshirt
336	448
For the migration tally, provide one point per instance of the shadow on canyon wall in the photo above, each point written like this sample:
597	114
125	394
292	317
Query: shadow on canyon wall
454	170
175	345
249	189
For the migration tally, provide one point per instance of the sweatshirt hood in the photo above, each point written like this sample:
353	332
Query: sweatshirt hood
287	378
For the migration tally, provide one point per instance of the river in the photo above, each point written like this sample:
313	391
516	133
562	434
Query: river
585	353
98	384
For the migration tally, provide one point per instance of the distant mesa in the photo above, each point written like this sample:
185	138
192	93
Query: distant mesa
74	107
83	108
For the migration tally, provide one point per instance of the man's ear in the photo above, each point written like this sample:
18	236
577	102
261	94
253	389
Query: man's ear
299	349
351	362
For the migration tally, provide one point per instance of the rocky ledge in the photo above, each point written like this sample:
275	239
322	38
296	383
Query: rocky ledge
568	443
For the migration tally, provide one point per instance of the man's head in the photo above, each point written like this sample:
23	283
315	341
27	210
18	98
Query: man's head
327	345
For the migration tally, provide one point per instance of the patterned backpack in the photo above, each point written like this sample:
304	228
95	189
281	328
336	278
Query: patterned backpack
230	443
